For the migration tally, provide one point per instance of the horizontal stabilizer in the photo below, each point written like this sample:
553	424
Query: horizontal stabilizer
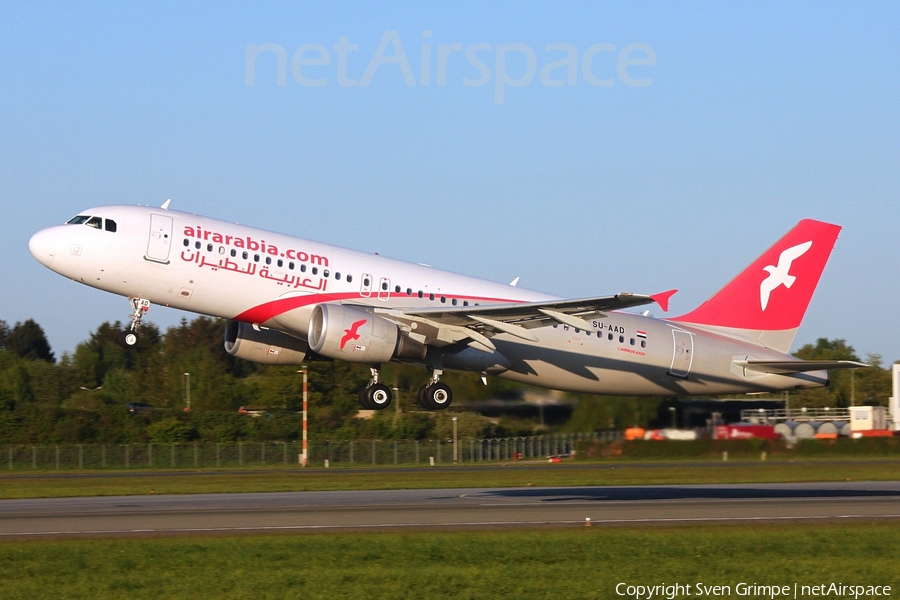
785	367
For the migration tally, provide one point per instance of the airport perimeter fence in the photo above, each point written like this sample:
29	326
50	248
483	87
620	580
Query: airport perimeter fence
337	453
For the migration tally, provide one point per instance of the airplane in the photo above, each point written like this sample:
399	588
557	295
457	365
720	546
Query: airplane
288	300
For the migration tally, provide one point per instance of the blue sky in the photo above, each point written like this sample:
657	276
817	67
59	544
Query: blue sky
751	117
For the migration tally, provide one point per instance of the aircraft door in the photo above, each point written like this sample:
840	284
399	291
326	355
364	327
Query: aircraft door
384	289
365	286
683	354
160	242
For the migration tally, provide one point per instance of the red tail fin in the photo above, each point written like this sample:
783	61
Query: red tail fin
773	292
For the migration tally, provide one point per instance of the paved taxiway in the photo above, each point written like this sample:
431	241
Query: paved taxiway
445	508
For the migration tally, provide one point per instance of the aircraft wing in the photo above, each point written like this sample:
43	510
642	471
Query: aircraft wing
446	325
530	314
785	367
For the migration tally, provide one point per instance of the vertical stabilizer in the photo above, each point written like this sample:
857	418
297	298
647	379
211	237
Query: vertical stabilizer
766	302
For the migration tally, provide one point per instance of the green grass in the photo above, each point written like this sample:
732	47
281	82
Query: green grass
572	563
571	474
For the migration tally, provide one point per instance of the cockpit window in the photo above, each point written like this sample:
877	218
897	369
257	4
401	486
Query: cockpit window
95	222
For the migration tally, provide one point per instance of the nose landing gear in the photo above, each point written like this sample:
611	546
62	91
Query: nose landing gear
129	338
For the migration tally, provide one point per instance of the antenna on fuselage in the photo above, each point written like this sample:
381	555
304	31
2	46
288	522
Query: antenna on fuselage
514	282
165	205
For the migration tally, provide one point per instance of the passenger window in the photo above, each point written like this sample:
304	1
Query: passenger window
280	263
337	276
256	258
610	337
397	289
221	249
244	255
443	299
110	225
186	242
409	291
325	273
465	302
303	268
209	247
384	286
621	339
420	293
454	302
631	341
643	343
349	278
315	270
431	297
95	222
268	260
197	245
366	282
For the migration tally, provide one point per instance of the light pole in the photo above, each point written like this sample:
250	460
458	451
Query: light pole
187	392
304	457
455	449
396	405
672	411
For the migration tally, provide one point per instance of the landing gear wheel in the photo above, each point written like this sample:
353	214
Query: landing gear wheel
379	396
364	399
436	396
128	339
375	397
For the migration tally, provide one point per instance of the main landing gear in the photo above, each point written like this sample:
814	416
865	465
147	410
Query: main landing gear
434	395
129	338
376	395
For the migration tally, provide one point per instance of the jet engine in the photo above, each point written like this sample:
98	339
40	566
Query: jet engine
262	345
354	335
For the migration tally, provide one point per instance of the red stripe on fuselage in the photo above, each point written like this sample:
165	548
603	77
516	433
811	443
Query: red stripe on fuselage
270	310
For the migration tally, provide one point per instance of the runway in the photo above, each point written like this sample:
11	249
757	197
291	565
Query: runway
446	509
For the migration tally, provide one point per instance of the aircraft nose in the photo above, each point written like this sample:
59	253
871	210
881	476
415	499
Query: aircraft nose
41	245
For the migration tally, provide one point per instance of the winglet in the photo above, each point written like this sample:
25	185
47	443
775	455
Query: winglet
662	299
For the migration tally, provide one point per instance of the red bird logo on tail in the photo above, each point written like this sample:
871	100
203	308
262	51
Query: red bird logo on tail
351	334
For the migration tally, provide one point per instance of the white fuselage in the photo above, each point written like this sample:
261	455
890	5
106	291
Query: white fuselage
236	272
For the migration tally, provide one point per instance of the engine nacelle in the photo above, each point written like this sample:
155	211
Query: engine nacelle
266	346
354	335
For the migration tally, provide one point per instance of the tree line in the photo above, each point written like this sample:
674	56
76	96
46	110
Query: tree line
81	397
